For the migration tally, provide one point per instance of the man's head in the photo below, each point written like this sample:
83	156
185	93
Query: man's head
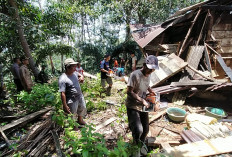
24	60
132	54
16	60
107	57
70	65
150	65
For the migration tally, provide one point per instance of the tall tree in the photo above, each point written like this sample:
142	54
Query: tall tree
22	38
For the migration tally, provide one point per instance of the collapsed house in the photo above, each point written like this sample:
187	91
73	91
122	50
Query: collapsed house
196	39
194	49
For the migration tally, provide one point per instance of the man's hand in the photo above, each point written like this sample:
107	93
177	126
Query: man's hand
157	106
145	103
67	109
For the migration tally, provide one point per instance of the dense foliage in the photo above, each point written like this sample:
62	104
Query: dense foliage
84	30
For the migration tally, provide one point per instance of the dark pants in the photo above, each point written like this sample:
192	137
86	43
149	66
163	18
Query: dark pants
138	124
18	85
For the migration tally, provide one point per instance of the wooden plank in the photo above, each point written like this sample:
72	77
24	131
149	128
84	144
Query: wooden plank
25	119
202	148
196	71
189	31
57	143
228	34
165	145
169	66
221	27
227	70
154	131
105	123
5	138
194	83
226	42
219	34
157	115
207	58
154	141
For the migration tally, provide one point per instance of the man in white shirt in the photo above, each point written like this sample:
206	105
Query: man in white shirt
134	60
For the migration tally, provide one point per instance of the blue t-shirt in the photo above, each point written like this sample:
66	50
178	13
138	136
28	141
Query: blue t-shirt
104	65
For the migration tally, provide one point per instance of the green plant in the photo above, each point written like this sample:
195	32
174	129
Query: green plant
40	96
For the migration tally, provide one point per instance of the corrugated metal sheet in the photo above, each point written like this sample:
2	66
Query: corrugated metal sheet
145	34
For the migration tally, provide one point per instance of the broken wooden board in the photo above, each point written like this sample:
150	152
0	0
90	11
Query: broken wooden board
25	119
154	141
168	67
193	83
156	115
169	89
105	123
154	131
227	70
202	148
193	58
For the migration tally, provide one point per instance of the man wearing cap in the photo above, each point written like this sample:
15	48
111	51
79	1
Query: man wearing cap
15	72
137	87
25	76
71	94
105	72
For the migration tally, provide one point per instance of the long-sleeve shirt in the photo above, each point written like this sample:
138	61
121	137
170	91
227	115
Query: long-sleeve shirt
15	71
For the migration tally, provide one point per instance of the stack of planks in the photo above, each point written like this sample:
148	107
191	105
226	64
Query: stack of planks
38	139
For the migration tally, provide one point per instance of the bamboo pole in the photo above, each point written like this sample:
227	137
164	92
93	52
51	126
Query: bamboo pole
189	31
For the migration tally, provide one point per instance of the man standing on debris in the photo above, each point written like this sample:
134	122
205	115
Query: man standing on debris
138	85
25	75
105	74
15	72
71	94
134	61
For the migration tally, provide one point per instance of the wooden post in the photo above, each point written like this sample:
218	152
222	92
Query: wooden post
189	31
196	71
200	35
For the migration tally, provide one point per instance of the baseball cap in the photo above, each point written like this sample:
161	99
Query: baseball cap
69	61
152	62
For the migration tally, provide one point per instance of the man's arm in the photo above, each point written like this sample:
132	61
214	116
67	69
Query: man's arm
81	77
135	96
65	106
150	91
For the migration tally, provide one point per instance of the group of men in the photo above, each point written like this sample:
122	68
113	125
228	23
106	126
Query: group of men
73	99
21	74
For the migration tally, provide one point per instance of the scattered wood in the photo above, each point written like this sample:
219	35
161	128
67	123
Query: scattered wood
5	138
194	83
24	120
168	67
105	123
154	141
156	115
196	71
165	145
202	148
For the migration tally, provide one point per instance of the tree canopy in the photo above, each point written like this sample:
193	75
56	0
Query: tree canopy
84	30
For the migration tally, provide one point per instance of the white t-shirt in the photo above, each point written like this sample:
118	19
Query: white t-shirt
80	70
134	59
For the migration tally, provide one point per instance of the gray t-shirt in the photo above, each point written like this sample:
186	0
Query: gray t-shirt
140	85
70	85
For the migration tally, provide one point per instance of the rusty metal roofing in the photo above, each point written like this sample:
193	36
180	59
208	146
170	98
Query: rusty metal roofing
145	34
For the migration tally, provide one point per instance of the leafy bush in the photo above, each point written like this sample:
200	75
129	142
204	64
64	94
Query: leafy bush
40	96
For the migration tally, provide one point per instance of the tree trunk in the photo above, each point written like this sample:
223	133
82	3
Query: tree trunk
128	18
23	40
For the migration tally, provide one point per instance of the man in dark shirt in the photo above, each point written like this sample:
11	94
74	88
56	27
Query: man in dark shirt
15	71
105	74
